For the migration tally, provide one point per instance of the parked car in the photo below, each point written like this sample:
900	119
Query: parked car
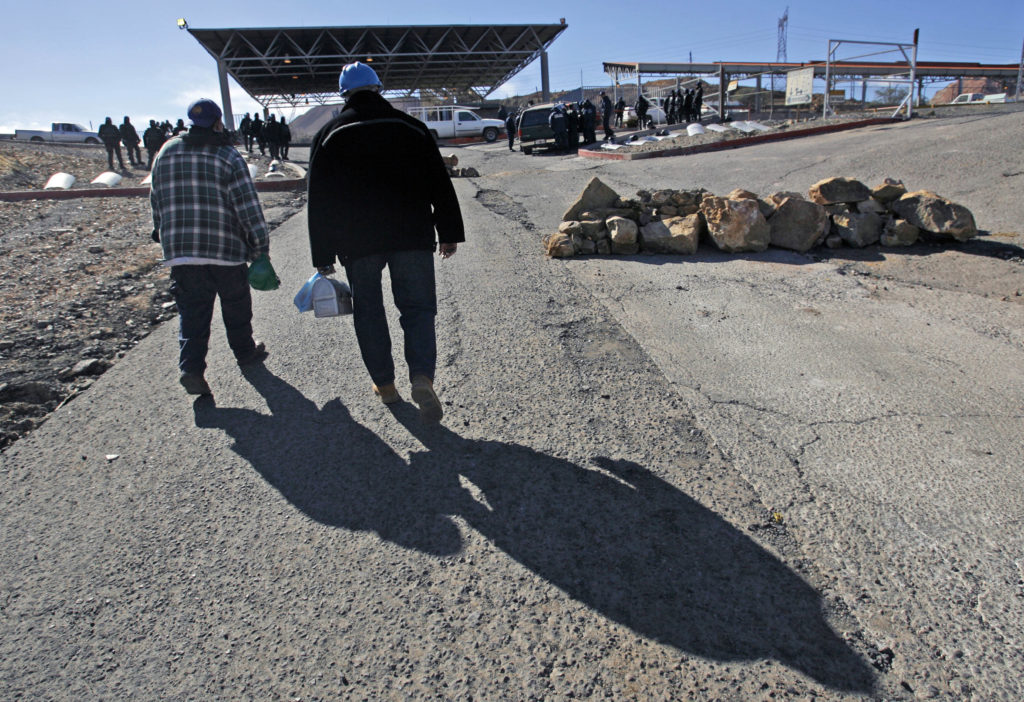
60	131
447	122
533	128
978	99
655	113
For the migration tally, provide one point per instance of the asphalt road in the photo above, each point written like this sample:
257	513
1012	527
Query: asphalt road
594	517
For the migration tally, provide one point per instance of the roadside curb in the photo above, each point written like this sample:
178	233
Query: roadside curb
736	143
267	186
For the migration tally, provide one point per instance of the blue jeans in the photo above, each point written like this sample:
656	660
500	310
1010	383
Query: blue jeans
412	286
194	289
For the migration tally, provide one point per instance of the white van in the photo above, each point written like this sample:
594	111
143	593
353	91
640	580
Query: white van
448	122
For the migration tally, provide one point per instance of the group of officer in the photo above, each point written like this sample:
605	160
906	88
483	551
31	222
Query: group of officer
113	136
271	134
684	105
569	121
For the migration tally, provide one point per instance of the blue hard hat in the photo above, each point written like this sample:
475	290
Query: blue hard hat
356	75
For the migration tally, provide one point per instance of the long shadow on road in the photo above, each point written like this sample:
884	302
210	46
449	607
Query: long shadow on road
615	537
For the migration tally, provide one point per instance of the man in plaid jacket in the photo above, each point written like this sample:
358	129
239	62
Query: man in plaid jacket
207	218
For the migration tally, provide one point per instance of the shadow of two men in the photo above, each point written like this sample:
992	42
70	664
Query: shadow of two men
614	537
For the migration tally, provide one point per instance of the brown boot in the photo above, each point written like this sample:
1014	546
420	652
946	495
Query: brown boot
388	394
423	395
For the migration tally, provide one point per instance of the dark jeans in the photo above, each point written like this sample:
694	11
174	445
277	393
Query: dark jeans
608	133
134	154
412	286
111	150
152	154
194	289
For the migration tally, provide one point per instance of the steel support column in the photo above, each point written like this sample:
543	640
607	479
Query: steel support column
225	96
545	81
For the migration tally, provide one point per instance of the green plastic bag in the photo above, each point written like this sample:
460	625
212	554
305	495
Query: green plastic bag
262	275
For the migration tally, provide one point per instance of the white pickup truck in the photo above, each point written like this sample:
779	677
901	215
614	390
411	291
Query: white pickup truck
978	99
60	131
453	121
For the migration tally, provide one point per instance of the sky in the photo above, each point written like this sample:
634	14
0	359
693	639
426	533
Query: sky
87	61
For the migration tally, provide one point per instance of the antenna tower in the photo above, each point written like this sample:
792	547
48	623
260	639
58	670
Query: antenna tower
780	55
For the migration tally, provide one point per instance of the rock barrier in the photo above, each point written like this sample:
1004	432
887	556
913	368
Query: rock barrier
836	212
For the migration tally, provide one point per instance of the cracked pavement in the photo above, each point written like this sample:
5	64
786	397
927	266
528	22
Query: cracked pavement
721	477
875	398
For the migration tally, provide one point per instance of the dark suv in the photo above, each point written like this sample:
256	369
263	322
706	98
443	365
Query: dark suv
533	128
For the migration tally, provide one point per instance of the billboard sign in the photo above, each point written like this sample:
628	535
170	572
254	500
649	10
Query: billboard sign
799	86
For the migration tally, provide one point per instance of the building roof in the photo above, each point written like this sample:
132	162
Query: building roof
287	65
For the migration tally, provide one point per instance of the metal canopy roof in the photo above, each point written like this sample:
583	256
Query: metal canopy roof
287	65
924	69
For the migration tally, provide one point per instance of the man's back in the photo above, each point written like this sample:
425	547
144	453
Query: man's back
377	183
205	200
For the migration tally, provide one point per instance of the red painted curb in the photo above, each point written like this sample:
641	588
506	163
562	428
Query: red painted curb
735	143
269	186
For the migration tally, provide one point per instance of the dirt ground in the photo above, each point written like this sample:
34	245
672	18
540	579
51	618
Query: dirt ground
80	280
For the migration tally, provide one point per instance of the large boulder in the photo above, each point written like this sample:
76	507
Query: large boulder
593	229
777	198
833	190
595	196
858	229
661	197
735	225
571	227
798	224
899	232
767	208
674	235
933	213
624	235
890	189
870	205
559	245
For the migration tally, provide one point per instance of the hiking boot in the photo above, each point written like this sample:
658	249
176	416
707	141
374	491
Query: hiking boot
194	384
388	393
257	355
423	395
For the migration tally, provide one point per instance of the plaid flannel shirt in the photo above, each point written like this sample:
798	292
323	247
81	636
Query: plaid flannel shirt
205	204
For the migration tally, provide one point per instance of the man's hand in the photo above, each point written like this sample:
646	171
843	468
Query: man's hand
447	250
325	270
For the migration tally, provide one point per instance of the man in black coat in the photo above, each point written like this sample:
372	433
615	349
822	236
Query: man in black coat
572	123
688	105
698	102
285	140
244	130
620	111
641	111
606	116
130	139
153	138
510	129
556	120
272	136
589	114
380	195
256	132
111	138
